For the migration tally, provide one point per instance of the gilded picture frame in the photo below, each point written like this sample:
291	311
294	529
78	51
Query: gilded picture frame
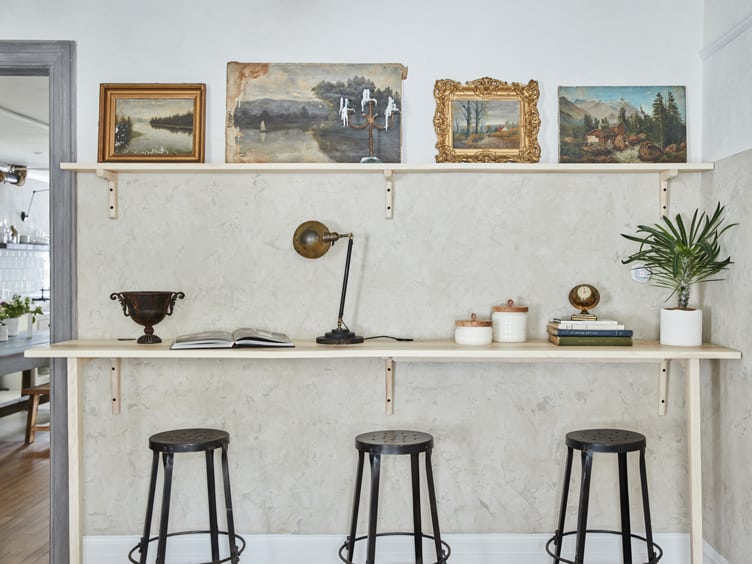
152	123
486	121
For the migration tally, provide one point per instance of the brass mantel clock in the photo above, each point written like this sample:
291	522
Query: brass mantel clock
584	297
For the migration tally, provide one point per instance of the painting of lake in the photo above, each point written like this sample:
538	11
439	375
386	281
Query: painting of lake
485	124
314	113
154	127
622	124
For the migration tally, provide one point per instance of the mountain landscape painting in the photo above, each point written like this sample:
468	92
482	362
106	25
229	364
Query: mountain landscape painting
622	124
308	113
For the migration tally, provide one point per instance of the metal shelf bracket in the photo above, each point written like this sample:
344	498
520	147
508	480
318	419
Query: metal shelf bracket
389	193
115	384
663	388
112	188
389	385
663	189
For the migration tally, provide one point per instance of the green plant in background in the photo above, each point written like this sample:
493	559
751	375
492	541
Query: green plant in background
678	257
18	306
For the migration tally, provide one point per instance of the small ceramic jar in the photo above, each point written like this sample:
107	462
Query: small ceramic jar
473	331
509	323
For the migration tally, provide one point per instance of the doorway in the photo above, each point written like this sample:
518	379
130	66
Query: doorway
56	61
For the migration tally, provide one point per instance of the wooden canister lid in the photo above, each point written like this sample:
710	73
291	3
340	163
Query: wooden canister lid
511	307
473	322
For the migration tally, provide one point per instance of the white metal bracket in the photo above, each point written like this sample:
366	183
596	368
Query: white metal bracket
112	190
389	385
389	193
665	177
663	388
115	383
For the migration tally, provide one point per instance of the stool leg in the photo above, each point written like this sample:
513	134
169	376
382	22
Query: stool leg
210	488
417	528
167	460
356	507
646	507
228	507
149	508
582	512
563	507
626	527
374	507
434	510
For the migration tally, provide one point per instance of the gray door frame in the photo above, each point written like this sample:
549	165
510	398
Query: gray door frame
56	60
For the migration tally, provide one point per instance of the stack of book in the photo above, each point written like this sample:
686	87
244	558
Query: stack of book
604	332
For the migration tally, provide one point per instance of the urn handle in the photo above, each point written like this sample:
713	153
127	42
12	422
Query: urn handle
119	296
175	296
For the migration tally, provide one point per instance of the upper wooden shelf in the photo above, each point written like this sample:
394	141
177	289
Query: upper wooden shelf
110	171
385	167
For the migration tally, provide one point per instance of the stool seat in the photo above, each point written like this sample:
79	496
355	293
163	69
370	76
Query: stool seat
167	443
394	442
606	440
189	440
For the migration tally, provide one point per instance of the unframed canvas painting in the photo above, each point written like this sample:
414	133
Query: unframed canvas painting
294	113
622	124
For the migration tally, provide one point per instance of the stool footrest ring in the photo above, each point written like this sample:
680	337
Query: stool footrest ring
653	560
207	532
442	558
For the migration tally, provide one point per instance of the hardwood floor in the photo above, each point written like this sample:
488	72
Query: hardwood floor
24	493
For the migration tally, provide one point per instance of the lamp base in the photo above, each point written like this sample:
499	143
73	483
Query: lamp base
339	336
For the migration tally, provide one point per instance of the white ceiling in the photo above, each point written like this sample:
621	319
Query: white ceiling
24	123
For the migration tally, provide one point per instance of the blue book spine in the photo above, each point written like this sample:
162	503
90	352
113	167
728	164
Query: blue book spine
592	332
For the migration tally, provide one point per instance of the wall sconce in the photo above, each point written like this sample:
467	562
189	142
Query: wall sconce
25	215
313	239
12	174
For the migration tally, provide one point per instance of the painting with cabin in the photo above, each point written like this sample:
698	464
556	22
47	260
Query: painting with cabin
622	124
314	113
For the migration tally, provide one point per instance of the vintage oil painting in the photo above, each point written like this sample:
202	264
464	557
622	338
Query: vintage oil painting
314	113
622	124
151	122
490	124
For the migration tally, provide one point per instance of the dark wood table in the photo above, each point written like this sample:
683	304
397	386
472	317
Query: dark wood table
12	360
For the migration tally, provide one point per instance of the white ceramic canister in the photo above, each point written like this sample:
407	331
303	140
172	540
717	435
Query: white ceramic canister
473	331
509	323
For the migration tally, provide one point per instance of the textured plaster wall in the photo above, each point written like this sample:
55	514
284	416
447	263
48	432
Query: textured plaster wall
458	244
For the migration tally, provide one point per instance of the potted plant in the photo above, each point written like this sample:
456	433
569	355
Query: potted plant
677	257
12	310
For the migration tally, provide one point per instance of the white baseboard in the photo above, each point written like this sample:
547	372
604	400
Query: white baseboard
322	549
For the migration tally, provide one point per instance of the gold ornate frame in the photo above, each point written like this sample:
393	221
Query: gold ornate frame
487	90
182	96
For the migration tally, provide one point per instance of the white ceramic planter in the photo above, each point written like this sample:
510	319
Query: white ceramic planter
12	324
3	332
681	327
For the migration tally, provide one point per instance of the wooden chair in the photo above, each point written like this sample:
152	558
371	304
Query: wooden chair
37	396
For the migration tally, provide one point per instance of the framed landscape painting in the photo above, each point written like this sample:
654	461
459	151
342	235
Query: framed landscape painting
622	124
314	113
151	122
486	120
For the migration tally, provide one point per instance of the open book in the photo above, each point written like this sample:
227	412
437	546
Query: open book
227	340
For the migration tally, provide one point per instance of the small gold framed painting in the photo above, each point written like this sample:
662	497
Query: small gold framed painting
486	120
151	122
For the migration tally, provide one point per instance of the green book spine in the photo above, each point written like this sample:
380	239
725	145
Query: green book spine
563	341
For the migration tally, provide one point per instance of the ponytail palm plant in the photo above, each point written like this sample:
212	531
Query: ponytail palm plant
679	256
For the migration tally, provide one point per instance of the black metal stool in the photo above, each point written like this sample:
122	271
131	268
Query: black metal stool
616	441
394	442
189	440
